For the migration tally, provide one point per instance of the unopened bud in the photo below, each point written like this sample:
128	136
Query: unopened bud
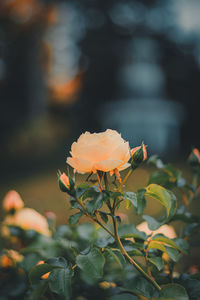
50	215
65	182
139	154
12	202
194	158
46	275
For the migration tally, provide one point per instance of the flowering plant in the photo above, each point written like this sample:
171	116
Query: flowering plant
106	258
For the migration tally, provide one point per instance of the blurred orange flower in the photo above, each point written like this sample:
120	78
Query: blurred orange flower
167	230
12	201
10	258
28	218
105	151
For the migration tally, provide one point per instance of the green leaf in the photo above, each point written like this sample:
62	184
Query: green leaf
116	254
173	205
182	245
153	224
173	291
167	199
127	231
83	185
39	291
73	219
74	203
92	193
161	178
30	260
156	245
140	286
37	272
64	231
160	194
154	159
104	216
141	201
60	281
157	261
91	264
131	197
86	231
173	253
165	240
59	262
94	204
193	287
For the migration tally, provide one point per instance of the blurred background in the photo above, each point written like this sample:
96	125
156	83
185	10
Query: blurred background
71	66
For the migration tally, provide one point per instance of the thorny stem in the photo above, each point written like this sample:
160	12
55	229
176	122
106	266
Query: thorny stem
130	259
105	180
195	179
117	238
116	234
147	263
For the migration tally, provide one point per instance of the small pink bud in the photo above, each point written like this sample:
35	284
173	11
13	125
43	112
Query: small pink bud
138	148
46	275
194	158
197	154
65	180
50	215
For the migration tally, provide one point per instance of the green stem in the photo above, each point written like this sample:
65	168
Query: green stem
125	179
117	238
195	179
105	180
92	218
130	259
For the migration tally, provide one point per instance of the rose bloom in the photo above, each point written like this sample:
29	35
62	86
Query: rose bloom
12	201
28	218
105	151
167	230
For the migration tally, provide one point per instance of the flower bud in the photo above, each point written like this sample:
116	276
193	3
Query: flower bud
65	182
194	158
107	285
46	275
138	155
50	215
12	202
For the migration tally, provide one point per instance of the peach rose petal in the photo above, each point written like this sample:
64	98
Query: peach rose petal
94	153
109	164
121	152
123	167
80	165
